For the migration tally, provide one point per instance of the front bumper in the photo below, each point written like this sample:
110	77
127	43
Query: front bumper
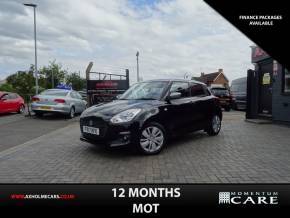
110	135
57	108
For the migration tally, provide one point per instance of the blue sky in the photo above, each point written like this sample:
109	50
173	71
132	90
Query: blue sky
173	37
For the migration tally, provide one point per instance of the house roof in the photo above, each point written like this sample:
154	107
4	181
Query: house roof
210	77
207	77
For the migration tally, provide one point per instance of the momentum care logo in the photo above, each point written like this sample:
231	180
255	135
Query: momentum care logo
248	198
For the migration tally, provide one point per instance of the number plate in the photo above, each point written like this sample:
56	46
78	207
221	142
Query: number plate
91	130
45	107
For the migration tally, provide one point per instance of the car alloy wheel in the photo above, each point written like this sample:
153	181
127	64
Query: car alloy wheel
72	113
152	139
21	109
216	124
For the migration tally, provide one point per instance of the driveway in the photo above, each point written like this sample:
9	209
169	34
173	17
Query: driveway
242	153
16	129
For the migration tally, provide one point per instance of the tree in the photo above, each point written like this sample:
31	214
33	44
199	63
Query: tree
76	81
51	75
6	87
22	82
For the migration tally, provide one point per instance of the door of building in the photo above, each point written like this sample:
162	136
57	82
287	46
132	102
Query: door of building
265	87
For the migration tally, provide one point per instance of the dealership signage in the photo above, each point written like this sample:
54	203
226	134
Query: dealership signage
258	54
107	85
248	197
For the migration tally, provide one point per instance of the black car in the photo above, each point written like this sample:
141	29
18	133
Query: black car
224	97
148	113
239	93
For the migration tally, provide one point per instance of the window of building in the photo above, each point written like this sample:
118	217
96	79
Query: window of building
286	87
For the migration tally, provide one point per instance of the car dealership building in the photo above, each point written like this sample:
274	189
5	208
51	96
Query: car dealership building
268	89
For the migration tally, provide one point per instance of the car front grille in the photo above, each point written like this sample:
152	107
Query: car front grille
96	122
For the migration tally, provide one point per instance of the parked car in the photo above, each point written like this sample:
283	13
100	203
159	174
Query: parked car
67	102
224	97
83	94
148	113
11	102
239	93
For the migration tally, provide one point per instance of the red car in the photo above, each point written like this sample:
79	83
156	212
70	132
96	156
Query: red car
11	102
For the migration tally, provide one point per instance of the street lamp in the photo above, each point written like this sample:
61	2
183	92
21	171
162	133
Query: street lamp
137	55
35	47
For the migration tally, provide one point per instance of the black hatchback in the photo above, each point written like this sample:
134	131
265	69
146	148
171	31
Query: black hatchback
148	113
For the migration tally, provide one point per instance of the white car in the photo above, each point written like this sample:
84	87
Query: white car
67	102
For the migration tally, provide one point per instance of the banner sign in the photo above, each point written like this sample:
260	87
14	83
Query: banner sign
107	85
258	54
160	199
64	86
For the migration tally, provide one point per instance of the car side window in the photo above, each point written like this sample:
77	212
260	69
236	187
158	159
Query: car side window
12	96
73	95
5	96
78	95
197	90
181	87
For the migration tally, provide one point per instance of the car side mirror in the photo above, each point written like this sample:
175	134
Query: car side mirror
174	95
117	96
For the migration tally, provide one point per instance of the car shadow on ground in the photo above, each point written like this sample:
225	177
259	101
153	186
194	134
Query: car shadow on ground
7	114
131	151
51	117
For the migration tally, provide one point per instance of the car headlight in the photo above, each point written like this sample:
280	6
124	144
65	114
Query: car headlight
125	116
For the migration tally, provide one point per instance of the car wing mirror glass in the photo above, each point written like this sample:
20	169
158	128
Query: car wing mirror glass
174	95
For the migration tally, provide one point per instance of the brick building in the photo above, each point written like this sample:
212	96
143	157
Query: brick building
213	78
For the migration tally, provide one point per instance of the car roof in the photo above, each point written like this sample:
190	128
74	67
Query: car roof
65	90
174	80
3	92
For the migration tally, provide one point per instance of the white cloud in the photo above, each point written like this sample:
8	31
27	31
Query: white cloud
173	37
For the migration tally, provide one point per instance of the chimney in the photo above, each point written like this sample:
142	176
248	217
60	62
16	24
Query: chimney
202	74
221	70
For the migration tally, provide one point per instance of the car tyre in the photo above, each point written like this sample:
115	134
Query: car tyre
152	139
21	109
214	125
71	113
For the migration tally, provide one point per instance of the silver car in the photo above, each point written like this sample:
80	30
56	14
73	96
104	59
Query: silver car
67	102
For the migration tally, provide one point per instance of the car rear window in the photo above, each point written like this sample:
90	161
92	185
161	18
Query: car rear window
54	92
220	91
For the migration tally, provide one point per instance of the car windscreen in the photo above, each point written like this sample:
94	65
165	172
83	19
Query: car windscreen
220	91
60	93
145	91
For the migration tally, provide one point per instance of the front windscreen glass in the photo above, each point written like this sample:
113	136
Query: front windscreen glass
145	91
